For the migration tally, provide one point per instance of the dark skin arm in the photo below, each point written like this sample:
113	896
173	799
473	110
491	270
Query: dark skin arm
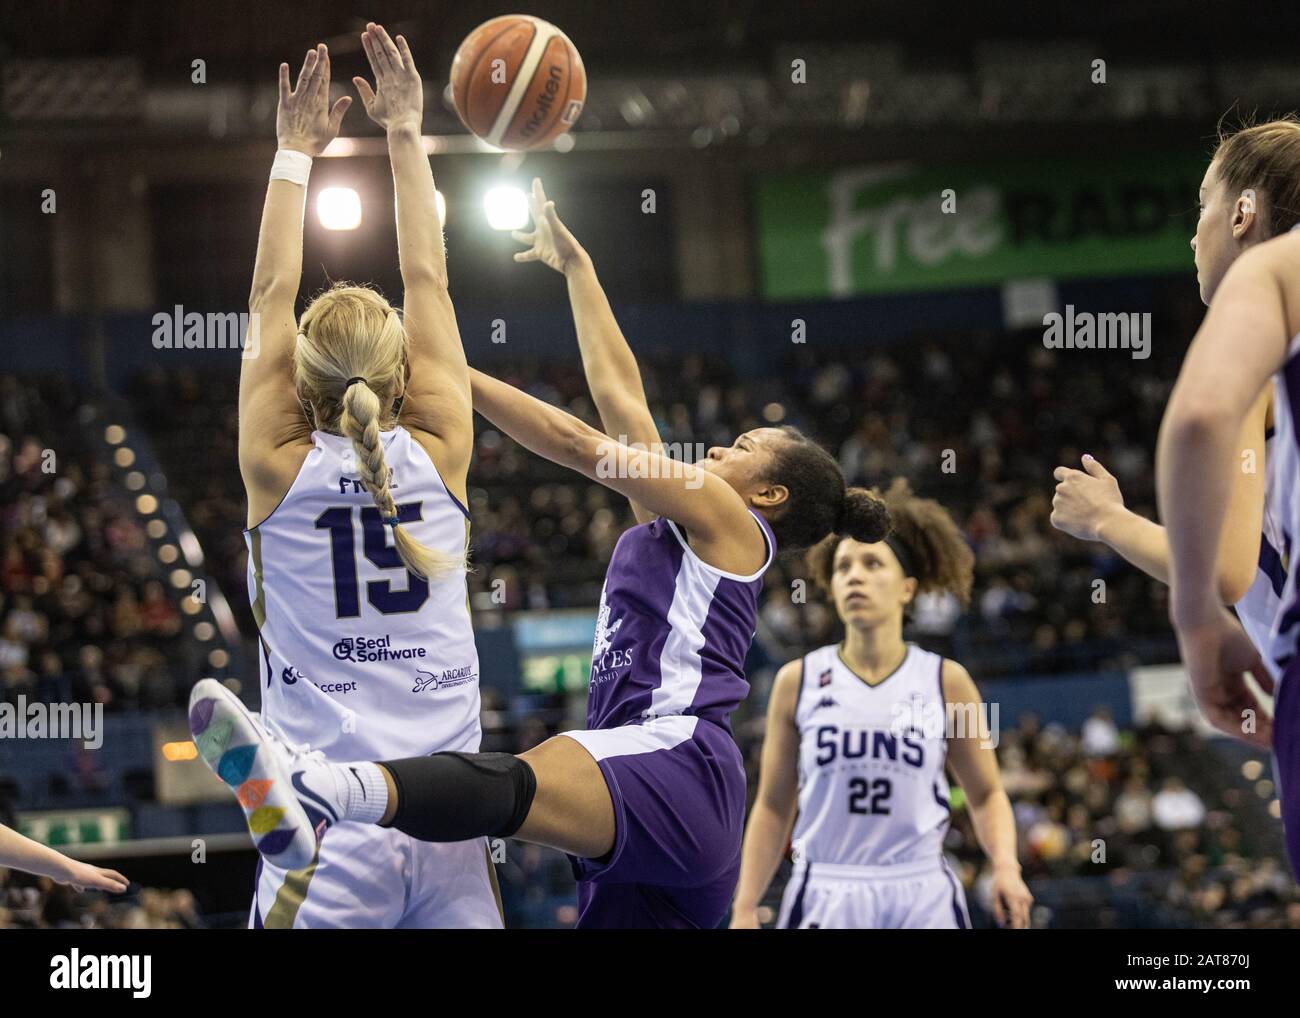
722	531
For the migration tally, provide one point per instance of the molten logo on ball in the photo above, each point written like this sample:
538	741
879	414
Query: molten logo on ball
543	89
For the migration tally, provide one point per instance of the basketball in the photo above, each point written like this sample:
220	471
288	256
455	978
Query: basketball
518	82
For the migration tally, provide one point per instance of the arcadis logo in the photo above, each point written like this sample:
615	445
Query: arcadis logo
364	649
425	680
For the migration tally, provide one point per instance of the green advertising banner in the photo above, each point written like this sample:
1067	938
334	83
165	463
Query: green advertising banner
888	229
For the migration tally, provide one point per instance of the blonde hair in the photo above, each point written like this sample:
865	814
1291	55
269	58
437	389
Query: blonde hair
1267	157
350	362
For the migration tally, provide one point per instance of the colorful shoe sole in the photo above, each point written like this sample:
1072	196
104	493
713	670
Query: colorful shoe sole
233	745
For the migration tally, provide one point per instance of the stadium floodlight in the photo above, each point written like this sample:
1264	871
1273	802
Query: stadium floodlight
339	208
506	208
441	203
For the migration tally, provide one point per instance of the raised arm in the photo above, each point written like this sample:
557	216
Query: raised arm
437	405
1088	505
270	416
722	531
772	818
612	373
1242	342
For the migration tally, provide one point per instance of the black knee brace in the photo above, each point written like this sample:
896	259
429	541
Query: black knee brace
457	796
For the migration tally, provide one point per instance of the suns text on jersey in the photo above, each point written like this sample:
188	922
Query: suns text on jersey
854	744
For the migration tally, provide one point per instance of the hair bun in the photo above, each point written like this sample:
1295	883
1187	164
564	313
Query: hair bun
862	516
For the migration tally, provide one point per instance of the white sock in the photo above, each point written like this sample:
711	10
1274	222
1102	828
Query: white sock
362	790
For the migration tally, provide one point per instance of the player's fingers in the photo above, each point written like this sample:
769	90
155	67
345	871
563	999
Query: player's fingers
388	48
1260	735
365	91
1243	704
1000	908
539	192
320	72
375	51
1061	473
526	256
408	61
536	202
109	880
553	217
1094	467
284	82
1244	721
336	114
304	75
368	44
522	237
1254	723
1262	675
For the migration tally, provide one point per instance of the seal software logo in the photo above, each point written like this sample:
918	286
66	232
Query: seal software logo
449	677
363	650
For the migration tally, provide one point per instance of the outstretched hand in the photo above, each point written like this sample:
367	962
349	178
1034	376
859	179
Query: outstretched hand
398	96
550	241
82	876
304	119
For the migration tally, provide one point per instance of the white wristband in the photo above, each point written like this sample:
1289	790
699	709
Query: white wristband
292	166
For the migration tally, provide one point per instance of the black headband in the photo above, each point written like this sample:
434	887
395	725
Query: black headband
354	380
906	560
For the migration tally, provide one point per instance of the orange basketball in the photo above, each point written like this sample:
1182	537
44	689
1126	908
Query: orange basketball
518	82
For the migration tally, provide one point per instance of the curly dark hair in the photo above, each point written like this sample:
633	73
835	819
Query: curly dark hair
819	502
941	558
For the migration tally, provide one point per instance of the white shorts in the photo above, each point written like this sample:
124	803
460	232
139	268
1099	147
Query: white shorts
905	896
371	877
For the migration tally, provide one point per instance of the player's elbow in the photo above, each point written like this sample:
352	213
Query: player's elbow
1198	411
982	795
268	291
427	277
779	802
579	446
1234	581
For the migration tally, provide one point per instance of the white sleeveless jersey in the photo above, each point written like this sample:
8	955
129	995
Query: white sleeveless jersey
361	658
872	789
1259	608
1286	453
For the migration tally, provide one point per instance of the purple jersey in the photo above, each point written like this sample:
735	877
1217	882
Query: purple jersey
673	631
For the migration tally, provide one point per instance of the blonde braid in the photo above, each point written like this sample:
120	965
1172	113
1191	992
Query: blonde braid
359	421
348	364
